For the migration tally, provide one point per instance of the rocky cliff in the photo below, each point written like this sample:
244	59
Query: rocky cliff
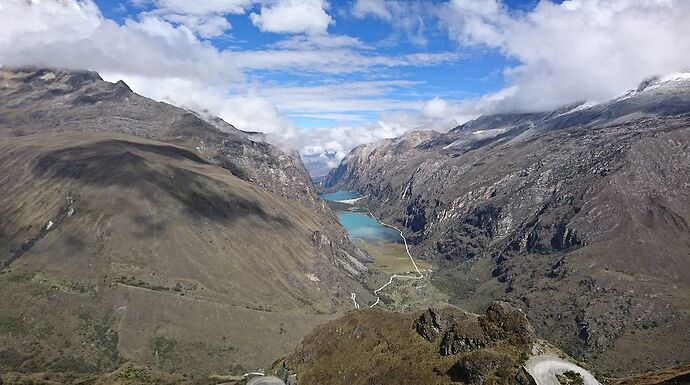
580	215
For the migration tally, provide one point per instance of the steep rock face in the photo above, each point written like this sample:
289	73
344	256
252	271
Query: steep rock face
433	346
132	230
581	214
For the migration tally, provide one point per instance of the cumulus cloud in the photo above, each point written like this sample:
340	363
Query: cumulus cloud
74	35
293	16
157	59
206	18
244	109
575	50
578	50
168	62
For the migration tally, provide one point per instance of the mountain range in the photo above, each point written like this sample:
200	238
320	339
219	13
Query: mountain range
144	243
579	216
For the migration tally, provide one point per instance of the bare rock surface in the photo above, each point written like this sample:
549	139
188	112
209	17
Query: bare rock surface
580	215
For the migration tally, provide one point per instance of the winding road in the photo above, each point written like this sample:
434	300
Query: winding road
265	380
394	276
544	368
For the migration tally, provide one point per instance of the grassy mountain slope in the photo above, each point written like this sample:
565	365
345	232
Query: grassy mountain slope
433	346
122	239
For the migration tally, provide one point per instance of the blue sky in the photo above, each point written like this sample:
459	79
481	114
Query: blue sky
476	71
322	77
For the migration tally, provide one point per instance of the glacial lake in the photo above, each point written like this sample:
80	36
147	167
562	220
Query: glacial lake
359	224
339	196
383	243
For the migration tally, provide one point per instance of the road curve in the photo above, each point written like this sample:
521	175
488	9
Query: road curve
394	276
265	380
544	368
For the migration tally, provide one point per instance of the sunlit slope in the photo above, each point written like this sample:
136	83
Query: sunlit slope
119	248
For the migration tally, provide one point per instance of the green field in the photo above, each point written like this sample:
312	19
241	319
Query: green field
390	257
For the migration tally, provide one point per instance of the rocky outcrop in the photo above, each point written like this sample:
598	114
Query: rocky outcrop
433	346
482	367
434	322
460	332
579	214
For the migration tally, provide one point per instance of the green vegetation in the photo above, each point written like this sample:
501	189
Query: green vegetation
13	326
101	335
15	278
391	257
79	288
164	351
69	364
44	331
236	170
134	373
133	281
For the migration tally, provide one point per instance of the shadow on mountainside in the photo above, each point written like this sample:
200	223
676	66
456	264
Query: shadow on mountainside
126	164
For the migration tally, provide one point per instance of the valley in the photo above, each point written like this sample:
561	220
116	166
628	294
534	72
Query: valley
578	216
165	246
345	192
407	286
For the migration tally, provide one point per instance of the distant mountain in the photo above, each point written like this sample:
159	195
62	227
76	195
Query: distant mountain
579	216
132	230
318	165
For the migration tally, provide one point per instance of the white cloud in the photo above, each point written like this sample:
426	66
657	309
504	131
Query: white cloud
306	42
206	18
73	34
206	26
205	7
31	21
338	60
406	17
354	97
377	8
578	50
293	16
435	108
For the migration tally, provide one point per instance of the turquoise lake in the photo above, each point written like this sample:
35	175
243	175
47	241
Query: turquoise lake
360	225
339	196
